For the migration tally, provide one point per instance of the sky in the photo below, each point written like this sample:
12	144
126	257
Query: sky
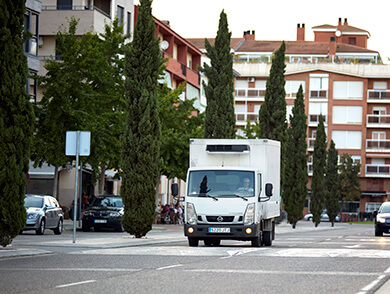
276	19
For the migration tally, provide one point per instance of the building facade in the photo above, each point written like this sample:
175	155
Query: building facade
342	80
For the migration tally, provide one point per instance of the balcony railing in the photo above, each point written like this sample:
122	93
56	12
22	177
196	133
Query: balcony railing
315	118
378	94
381	144
244	116
74	7
309	167
319	94
378	169
249	92
378	119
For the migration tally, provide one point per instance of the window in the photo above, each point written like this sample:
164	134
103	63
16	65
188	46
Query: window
347	90
352	40
372	206
378	136
319	87
379	110
292	87
31	23
289	112
347	114
380	85
241	84
120	14
240	108
64	4
260	84
128	28
347	139
315	109
31	88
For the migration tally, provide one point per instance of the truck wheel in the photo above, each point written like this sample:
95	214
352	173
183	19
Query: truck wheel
267	238
256	241
193	242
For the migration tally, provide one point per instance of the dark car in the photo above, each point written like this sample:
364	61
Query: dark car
43	212
382	220
104	212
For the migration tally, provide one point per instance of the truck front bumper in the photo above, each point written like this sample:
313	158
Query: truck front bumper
236	232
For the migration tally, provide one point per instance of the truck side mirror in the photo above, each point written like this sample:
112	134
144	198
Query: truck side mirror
174	189
269	189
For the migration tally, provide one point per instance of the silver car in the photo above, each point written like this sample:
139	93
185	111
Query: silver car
43	212
324	217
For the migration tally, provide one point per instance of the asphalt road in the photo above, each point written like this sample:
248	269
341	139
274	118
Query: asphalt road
344	259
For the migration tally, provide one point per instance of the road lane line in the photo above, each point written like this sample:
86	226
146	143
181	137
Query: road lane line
75	284
371	285
71	269
282	272
168	266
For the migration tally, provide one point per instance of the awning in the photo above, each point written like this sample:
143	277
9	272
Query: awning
44	172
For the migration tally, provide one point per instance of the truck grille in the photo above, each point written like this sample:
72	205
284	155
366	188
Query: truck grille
219	219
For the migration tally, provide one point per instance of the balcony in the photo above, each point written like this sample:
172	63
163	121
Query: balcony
310	168
378	121
378	96
314	119
89	17
378	145
242	117
249	94
374	170
310	144
318	94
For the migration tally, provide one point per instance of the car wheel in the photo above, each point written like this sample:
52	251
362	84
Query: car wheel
58	229
193	242
309	219
84	227
378	233
41	229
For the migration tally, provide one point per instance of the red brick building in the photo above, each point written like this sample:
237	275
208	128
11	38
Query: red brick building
344	81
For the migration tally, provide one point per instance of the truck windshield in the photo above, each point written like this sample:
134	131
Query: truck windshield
221	183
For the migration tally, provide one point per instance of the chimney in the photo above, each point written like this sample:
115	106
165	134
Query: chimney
249	36
301	32
339	24
332	47
345	21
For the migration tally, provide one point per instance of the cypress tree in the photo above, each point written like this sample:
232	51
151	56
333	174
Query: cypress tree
16	120
349	178
332	183
295	184
140	140
318	179
272	114
220	119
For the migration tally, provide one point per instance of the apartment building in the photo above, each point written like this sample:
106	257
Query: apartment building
54	16
344	81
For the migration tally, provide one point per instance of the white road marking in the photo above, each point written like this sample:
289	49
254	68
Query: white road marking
353	246
75	284
233	271
71	269
374	283
169	266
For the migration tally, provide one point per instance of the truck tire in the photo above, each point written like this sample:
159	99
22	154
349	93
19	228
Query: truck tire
193	242
256	241
267	238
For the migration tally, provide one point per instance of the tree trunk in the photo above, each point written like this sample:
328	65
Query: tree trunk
102	178
55	185
294	224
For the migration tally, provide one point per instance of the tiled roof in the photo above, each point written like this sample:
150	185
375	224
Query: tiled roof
299	47
199	42
344	28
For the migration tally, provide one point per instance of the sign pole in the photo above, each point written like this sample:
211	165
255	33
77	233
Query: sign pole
76	186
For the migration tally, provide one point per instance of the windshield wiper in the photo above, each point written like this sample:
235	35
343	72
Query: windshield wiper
235	195
205	195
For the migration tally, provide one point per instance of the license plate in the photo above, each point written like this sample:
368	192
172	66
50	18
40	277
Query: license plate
100	221
219	230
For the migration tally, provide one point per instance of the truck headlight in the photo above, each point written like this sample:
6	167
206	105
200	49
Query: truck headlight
381	220
191	214
249	216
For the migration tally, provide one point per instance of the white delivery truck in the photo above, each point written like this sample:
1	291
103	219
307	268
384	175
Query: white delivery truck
233	191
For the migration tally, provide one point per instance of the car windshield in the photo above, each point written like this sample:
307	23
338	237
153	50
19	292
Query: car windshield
385	208
107	202
33	202
221	183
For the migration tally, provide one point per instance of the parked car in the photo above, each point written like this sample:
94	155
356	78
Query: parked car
382	219
104	212
324	216
43	212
